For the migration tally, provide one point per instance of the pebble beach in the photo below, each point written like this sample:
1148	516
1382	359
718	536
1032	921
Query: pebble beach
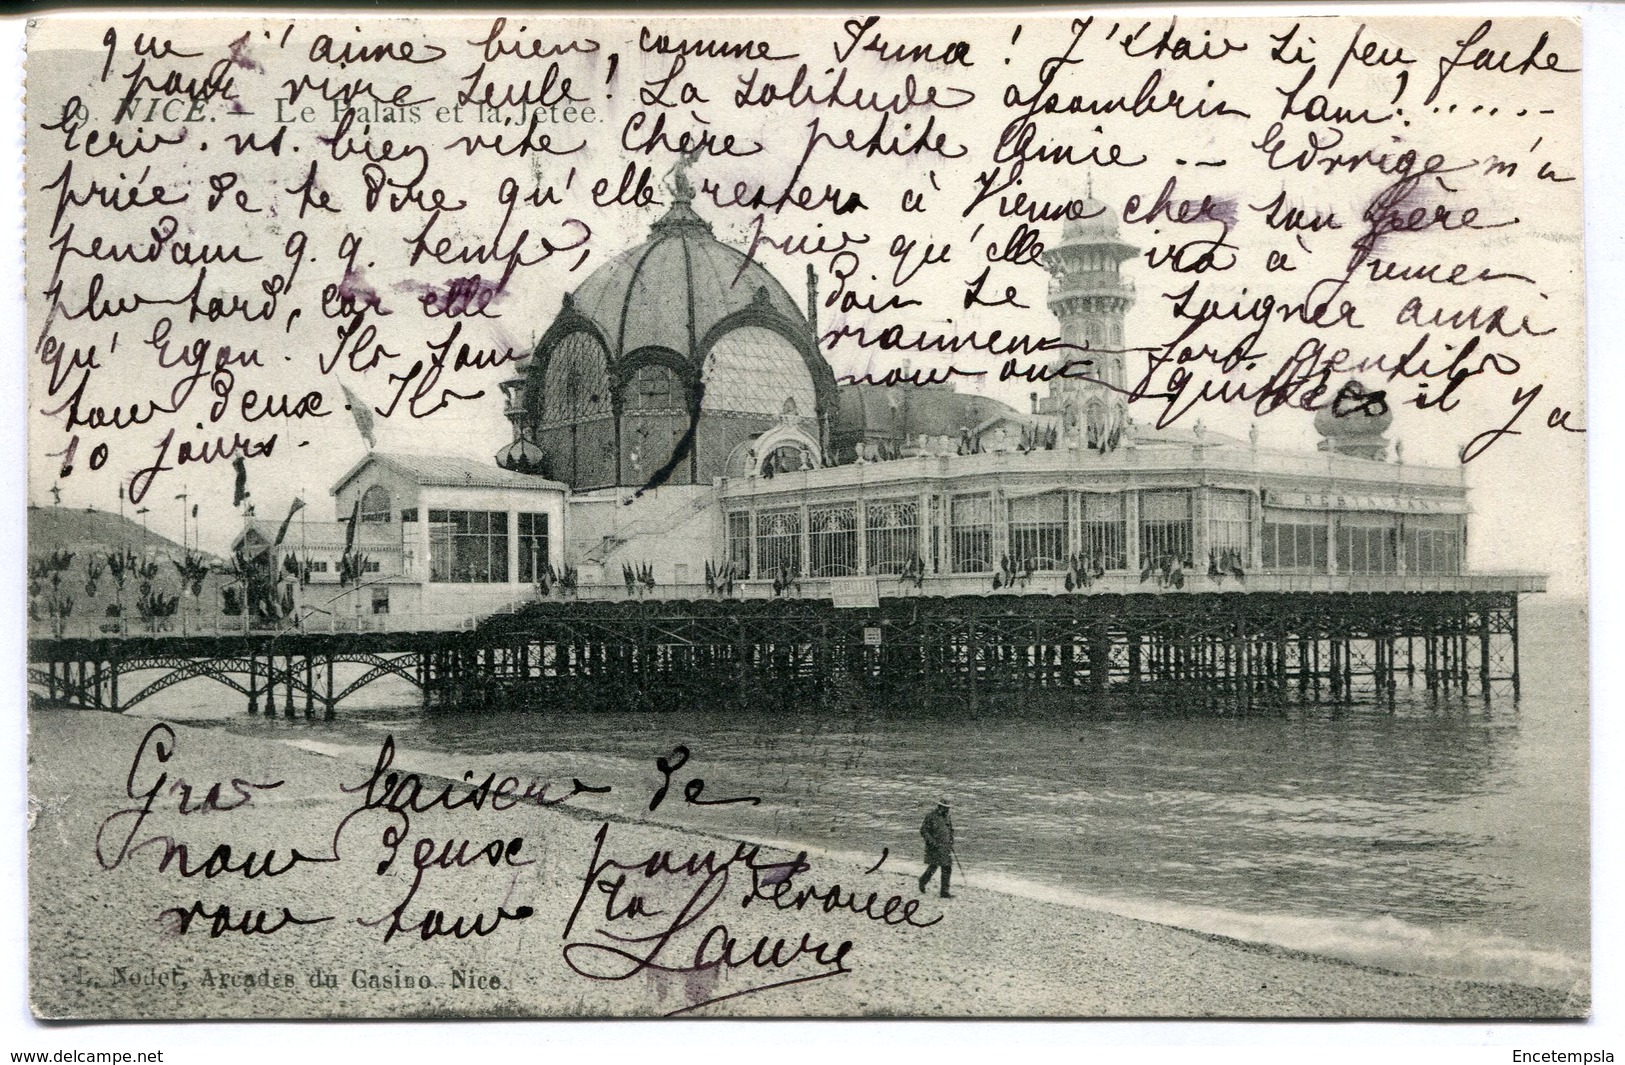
145	916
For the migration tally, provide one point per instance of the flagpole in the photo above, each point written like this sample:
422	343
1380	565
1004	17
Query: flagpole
351	539
282	535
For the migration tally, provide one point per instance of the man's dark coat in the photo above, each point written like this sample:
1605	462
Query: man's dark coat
938	831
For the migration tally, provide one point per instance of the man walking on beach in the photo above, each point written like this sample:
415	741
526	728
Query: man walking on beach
938	831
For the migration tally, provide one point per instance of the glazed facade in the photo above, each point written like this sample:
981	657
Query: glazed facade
1265	511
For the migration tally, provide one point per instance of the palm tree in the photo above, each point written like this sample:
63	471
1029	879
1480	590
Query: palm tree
46	573
236	574
122	564
193	570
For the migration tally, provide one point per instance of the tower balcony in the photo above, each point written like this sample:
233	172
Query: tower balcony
513	396
1086	283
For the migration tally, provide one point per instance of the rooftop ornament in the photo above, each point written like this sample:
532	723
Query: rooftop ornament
1354	423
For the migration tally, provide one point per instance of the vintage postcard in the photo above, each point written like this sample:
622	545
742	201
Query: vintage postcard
844	515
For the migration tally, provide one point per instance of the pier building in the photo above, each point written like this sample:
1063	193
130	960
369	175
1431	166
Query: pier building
683	364
736	522
691	508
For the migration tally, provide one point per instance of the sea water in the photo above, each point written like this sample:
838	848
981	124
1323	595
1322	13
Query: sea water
1443	836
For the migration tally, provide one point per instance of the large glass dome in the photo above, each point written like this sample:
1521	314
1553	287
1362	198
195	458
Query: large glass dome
664	360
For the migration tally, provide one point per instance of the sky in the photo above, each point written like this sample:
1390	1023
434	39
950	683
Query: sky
1508	531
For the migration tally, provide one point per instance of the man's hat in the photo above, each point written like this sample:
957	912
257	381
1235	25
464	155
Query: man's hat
944	803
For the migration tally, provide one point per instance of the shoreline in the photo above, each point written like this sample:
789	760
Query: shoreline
1378	942
993	953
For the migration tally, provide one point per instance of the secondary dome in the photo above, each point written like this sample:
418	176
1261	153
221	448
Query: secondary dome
1095	221
1353	423
1090	239
1354	413
664	359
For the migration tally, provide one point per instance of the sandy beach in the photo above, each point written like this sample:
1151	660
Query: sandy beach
133	927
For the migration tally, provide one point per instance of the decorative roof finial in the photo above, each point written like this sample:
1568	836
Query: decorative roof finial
1089	185
680	217
682	189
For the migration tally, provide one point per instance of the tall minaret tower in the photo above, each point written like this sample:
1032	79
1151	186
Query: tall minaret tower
1089	296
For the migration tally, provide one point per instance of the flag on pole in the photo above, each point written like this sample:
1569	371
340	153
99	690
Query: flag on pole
194	510
298	505
362	413
355	520
240	492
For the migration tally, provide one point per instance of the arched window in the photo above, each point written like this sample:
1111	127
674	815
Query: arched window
1109	369
577	383
655	406
577	428
786	458
1096	425
375	505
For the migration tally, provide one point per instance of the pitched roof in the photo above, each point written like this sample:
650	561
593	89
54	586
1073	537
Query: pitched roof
446	470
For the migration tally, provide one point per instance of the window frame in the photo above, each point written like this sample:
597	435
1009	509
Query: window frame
1356	537
1044	542
1438	541
967	539
781	547
1166	532
1225	530
530	561
738	544
1104	538
1294	541
889	548
452	548
832	547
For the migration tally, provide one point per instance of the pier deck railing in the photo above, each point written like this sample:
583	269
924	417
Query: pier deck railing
219	625
1051	583
1044	584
